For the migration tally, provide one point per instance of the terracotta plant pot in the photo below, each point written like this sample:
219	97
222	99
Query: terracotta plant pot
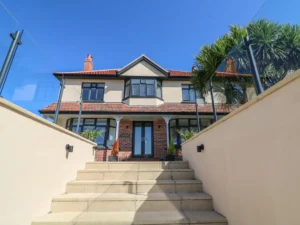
113	158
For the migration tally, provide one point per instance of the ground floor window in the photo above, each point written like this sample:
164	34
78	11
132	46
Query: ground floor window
184	125
108	126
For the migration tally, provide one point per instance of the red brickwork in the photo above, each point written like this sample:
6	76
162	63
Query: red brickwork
160	138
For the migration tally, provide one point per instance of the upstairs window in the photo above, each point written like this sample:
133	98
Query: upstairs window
143	88
188	93
93	91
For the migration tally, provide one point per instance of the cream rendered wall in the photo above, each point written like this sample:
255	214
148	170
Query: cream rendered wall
34	168
144	101
113	89
251	161
143	69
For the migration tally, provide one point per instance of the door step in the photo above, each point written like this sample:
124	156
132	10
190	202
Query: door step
129	218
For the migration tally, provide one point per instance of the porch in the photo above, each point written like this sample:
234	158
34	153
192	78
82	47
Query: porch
141	137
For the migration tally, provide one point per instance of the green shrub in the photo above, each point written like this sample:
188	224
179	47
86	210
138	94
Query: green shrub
171	149
92	134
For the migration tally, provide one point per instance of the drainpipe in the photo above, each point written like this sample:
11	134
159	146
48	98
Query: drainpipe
167	120
118	119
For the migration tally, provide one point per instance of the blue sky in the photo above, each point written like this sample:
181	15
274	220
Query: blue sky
61	33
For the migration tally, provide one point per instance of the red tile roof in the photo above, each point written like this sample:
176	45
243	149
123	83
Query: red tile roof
123	108
173	73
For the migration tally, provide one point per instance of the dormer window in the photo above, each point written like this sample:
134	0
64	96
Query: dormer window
143	88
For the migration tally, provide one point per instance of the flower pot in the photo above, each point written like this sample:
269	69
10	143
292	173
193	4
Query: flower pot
170	157
113	158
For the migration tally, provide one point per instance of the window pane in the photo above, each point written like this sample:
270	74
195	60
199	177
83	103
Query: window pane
113	123
198	95
158	83
100	139
75	122
136	89
86	85
143	90
195	129
127	91
128	82
183	122
158	91
93	94
74	129
100	94
100	85
89	122
85	94
183	130
185	86
193	122
150	90
204	123
112	134
185	95
143	81
192	95
88	128
173	123
135	81
149	81
101	122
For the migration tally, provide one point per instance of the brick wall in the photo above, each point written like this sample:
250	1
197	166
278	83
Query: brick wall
160	138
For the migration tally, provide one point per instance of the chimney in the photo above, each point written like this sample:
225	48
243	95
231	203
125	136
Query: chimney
230	66
88	63
193	68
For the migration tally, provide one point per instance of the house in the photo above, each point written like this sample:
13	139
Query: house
142	103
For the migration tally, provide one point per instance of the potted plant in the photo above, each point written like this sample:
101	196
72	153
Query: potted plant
92	134
171	151
186	135
114	152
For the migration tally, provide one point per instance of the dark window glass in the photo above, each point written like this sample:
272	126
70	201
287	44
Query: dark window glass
135	89
92	91
150	90
143	90
85	93
188	93
127	91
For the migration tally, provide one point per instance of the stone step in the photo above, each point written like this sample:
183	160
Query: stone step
134	174
134	186
138	165
128	218
131	202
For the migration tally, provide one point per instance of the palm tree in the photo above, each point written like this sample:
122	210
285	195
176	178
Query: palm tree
276	50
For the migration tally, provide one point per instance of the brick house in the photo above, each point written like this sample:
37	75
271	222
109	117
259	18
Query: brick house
142	103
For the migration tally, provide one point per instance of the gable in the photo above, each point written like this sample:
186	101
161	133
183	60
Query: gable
143	68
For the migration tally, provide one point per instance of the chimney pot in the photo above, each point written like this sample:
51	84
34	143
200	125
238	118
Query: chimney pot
230	66
88	63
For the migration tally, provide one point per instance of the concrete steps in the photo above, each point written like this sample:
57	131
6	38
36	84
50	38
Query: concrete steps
133	193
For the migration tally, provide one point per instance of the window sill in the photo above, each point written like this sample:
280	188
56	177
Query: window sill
142	97
188	102
93	101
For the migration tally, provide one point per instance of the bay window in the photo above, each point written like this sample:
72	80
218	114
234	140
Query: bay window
183	125
143	88
107	126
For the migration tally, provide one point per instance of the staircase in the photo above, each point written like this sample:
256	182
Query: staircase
133	193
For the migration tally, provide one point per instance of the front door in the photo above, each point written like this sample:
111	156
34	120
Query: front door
142	139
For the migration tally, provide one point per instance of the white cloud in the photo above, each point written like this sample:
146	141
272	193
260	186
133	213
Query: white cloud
25	93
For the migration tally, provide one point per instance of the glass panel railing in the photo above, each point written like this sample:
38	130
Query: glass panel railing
30	83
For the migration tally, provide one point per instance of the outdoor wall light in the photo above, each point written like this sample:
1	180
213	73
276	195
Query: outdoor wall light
69	148
200	148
